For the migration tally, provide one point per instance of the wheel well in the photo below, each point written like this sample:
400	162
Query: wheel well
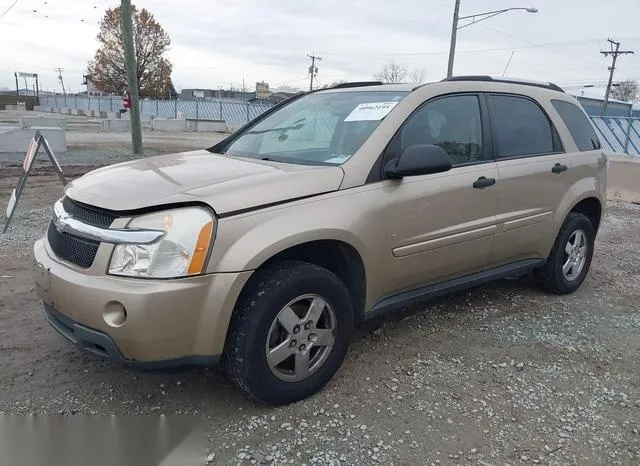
592	209
337	256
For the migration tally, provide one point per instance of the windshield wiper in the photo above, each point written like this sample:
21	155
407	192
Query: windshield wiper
295	125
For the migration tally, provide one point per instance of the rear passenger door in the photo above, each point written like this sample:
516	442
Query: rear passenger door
527	148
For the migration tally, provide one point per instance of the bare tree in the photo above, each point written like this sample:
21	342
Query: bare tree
418	75
107	69
391	73
627	91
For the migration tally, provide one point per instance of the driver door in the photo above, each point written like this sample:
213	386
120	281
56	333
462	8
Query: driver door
442	225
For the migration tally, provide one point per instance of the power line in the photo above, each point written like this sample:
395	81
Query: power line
614	56
473	51
8	9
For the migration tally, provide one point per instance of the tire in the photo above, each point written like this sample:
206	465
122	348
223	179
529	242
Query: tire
256	326
551	276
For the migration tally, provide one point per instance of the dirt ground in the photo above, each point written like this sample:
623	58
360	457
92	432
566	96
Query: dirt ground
502	374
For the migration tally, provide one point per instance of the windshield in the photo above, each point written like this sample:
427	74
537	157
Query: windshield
323	128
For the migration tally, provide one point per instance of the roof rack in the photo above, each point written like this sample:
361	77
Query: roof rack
356	84
488	78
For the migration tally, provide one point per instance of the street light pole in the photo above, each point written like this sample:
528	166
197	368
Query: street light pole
482	16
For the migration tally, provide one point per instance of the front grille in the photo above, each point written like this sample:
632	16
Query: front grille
88	214
78	251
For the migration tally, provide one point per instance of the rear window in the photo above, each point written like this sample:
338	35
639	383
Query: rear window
521	127
578	124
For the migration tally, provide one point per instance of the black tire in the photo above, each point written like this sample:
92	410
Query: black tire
268	291
550	276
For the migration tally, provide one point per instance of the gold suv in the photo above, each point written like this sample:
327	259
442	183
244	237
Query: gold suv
334	207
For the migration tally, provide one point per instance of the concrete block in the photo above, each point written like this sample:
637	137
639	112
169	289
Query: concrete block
163	124
28	122
10	107
13	139
624	172
77	111
114	124
215	126
233	127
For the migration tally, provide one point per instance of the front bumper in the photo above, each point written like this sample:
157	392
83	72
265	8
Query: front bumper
102	345
168	322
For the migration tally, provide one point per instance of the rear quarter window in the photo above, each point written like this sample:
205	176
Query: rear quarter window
578	124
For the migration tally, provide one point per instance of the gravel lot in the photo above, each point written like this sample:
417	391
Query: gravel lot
503	374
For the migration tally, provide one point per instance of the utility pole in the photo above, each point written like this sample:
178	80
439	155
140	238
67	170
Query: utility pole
454	34
59	71
614	55
313	69
132	75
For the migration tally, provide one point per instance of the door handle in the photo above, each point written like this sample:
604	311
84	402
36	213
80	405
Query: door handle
559	168
483	182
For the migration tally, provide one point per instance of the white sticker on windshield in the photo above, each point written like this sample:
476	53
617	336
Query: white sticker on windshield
371	111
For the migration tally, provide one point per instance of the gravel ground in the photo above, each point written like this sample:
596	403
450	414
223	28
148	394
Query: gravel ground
502	374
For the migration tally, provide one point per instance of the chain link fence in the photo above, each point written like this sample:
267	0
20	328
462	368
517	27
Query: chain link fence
619	134
231	112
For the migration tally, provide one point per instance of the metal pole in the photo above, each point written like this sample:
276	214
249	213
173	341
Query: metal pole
220	95
132	78
454	32
175	108
197	109
17	85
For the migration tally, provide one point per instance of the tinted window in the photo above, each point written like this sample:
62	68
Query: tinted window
521	127
452	123
578	124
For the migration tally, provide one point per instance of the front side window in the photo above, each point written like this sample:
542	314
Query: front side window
521	127
452	123
325	128
578	124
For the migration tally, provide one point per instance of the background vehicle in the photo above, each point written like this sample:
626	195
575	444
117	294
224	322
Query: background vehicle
330	209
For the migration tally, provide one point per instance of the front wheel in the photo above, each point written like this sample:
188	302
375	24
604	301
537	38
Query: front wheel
289	333
570	257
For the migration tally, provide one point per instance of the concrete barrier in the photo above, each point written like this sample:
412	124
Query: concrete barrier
233	127
13	139
27	122
114	124
215	126
624	173
77	112
163	124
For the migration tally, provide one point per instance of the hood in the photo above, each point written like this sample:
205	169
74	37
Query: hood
225	183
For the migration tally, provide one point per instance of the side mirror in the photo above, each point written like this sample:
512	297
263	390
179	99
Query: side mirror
419	159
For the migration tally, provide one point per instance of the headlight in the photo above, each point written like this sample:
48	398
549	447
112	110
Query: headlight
181	252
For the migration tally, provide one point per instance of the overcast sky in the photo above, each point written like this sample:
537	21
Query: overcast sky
218	42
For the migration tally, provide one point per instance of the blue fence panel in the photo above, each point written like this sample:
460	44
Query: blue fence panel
618	134
231	112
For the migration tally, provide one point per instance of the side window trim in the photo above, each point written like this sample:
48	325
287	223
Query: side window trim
558	146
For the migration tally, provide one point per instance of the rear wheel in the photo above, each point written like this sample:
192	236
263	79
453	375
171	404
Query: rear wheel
289	332
570	257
